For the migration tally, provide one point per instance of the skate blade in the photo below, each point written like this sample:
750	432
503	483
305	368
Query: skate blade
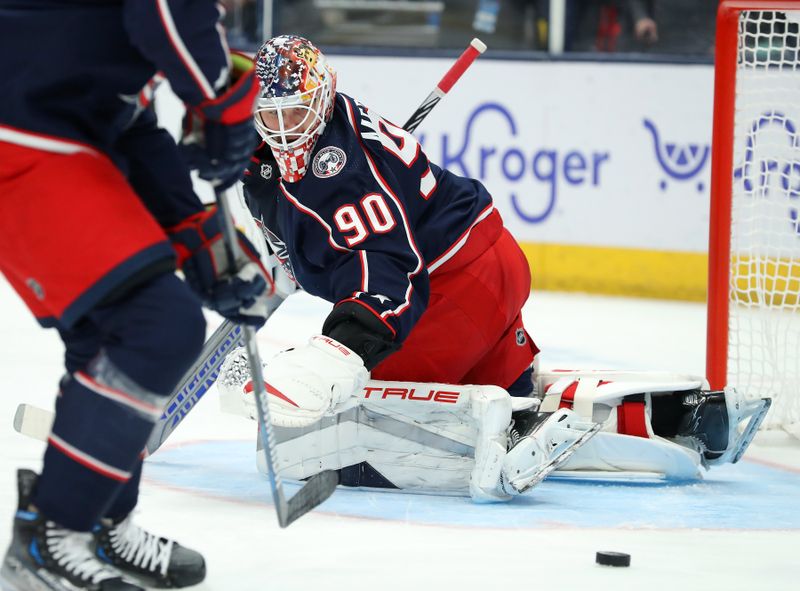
749	432
559	460
14	576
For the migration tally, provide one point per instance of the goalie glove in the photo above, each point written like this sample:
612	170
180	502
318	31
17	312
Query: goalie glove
308	382
239	294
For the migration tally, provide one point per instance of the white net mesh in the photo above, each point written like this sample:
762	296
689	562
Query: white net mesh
764	322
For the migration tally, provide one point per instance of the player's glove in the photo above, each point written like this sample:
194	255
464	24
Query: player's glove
239	294
218	135
308	382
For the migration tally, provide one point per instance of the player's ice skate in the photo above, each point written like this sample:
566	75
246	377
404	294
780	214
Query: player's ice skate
149	559
44	556
541	447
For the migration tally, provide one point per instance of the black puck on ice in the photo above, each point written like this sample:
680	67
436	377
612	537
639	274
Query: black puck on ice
613	559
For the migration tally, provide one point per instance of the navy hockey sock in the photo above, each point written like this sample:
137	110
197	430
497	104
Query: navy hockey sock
106	411
99	432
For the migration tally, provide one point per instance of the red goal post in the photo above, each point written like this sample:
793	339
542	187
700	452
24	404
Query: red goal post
753	332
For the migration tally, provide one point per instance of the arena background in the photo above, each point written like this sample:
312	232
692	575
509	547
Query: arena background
601	171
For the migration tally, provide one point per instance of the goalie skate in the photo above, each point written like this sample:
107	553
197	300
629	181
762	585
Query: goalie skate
547	447
729	444
756	411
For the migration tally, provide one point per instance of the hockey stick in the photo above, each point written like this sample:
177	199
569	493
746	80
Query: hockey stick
195	382
320	486
470	54
36	422
31	421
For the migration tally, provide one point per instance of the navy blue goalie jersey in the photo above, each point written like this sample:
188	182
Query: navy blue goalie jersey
371	219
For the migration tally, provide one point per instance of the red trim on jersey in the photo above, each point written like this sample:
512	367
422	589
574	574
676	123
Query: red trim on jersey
203	85
362	258
376	314
78	146
459	243
409	236
310	212
387	131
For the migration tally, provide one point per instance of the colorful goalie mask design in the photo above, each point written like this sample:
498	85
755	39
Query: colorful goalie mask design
296	100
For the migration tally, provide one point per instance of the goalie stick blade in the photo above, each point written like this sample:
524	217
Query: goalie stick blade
559	460
33	421
315	491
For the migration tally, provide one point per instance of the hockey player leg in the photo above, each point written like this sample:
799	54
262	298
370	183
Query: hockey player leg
104	416
147	558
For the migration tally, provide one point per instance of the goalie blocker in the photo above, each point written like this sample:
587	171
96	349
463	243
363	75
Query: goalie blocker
480	441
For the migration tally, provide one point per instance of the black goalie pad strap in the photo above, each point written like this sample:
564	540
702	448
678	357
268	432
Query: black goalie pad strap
355	327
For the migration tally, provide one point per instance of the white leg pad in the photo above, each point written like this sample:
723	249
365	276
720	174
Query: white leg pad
436	438
611	452
597	394
491	410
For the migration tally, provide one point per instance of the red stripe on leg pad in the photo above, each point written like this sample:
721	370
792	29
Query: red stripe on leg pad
631	419
568	396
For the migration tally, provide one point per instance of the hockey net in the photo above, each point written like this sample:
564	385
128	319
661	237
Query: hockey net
754	253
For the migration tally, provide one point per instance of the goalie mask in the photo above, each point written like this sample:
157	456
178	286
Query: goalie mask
296	100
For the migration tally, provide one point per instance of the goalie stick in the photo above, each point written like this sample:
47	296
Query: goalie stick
320	486
470	54
35	422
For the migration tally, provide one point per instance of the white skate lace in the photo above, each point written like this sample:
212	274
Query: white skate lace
139	547
71	551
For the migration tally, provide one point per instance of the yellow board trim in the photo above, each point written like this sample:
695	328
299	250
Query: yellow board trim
766	282
618	271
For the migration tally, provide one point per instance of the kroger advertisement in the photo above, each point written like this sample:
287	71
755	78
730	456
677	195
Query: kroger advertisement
573	153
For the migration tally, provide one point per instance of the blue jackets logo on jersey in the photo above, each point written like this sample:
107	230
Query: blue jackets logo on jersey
328	162
278	246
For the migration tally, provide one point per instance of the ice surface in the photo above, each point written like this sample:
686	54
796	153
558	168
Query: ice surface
738	529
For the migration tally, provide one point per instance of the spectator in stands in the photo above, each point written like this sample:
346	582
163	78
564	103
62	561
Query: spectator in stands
679	27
